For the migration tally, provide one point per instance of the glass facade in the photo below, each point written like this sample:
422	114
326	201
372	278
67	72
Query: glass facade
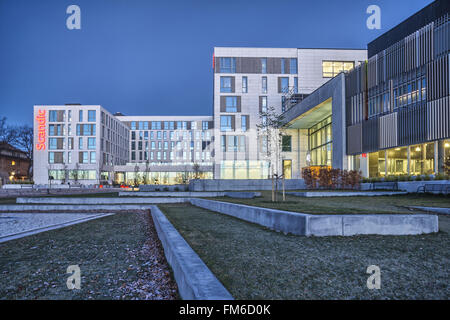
245	169
320	143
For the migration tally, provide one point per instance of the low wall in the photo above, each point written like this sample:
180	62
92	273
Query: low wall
195	281
243	185
199	194
409	186
62	200
325	225
284	221
322	194
154	187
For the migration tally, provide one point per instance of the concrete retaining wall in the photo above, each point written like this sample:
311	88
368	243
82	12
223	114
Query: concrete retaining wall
433	209
242	185
325	225
153	187
200	194
195	281
409	186
285	221
320	194
49	200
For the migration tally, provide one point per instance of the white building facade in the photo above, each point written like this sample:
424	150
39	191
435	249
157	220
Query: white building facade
248	81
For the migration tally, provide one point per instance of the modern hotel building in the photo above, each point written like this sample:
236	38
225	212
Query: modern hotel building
385	111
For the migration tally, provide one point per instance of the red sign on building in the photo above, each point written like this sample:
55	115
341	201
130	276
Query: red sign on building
42	134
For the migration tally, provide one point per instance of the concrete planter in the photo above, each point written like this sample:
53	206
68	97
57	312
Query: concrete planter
409	186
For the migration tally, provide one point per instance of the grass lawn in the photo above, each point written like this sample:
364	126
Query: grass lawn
344	205
256	263
120	257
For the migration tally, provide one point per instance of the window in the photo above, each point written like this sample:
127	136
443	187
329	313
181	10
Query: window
80	116
93	157
51	157
263	104
228	65
244	85
283	66
80	143
84	157
264	84
91	115
52	144
286	144
330	69
231	104
205	125
158	135
225	123
233	143
244	123
293	66
225	84
263	65
295	85
53	116
133	125
69	157
193	125
284	85
91	143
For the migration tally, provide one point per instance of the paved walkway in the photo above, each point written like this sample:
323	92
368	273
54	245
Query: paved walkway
18	225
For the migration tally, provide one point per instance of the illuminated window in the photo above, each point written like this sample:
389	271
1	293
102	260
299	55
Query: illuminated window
13	163
330	69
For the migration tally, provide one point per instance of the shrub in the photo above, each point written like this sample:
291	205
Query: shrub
176	189
157	189
166	189
426	177
418	178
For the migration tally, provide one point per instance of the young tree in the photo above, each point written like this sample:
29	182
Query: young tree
8	134
270	130
147	172
197	170
76	173
136	175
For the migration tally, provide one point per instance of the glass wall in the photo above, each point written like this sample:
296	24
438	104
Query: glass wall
320	143
287	169
422	159
397	161
163	177
245	169
377	164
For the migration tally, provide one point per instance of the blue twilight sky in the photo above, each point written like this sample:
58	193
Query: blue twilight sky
154	57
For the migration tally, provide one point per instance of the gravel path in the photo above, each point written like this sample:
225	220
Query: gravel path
14	223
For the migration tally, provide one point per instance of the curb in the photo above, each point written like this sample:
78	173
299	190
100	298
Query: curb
195	281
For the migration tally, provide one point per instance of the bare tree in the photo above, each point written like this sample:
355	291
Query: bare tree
147	172
76	173
136	175
24	141
8	134
271	132
197	170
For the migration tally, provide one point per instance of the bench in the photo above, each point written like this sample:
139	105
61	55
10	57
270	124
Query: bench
434	188
385	185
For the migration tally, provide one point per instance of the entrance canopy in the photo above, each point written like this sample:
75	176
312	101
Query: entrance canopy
311	116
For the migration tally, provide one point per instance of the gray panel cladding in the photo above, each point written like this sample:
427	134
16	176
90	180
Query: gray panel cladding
370	135
438	119
412	125
388	131
250	65
354	139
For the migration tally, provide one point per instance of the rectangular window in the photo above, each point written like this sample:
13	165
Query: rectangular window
244	123
228	65
93	157
286	145
263	104
133	125
232	143
283	65
225	123
205	125
293	66
80	143
91	115
225	85
264	84
263	65
52	144
231	104
53	116
330	69
244	85
91	143
284	85
80	116
295	85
